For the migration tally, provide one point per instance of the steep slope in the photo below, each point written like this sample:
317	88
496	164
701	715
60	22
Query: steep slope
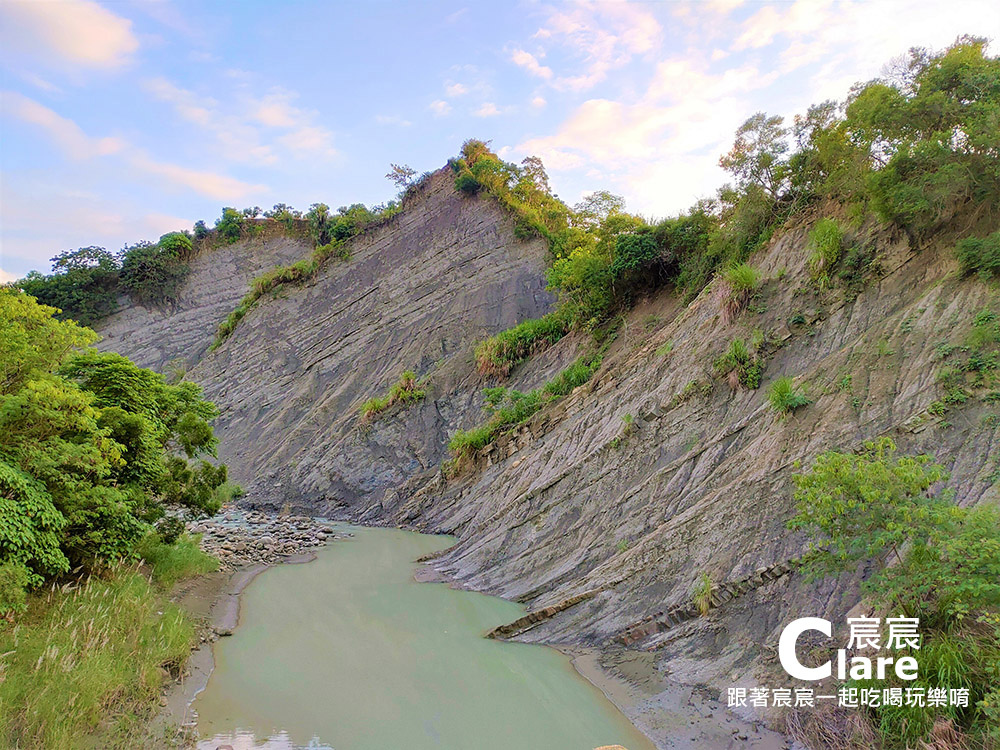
600	524
612	532
175	337
416	294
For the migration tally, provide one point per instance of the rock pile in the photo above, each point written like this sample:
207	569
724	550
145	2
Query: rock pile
245	537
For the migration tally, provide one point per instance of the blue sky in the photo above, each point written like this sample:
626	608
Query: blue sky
120	121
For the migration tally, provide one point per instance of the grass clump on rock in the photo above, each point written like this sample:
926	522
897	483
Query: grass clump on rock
826	243
737	287
498	354
786	397
405	390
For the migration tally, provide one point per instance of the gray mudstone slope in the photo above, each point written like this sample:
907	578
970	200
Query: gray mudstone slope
416	294
603	533
622	529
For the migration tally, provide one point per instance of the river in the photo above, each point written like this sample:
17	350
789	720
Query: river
349	652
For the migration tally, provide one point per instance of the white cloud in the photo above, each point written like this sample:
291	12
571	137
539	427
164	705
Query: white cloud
392	120
6	277
599	37
440	107
78	145
530	63
66	133
209	184
77	32
245	127
455	89
488	109
538	101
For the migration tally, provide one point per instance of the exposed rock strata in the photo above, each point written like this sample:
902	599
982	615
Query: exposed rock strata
562	510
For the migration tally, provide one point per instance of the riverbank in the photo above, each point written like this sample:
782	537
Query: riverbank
246	543
673	716
669	714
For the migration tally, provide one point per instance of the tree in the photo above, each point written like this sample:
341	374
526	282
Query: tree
90	445
153	273
401	175
596	207
83	284
756	155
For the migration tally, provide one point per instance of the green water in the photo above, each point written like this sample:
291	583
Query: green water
349	652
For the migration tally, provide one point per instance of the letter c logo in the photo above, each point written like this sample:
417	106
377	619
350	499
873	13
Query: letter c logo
786	648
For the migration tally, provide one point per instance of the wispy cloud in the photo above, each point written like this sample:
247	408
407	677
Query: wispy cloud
250	127
74	32
530	63
440	107
76	144
597	37
67	134
487	109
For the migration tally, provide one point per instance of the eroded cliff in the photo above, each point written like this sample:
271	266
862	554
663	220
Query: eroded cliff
601	522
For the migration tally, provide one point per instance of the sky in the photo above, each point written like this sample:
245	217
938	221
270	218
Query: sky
120	121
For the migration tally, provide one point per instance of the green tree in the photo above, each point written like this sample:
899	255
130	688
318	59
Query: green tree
83	284
757	155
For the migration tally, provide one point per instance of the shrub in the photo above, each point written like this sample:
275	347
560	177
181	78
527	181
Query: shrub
785	397
742	367
154	273
738	285
945	571
173	561
14	580
499	354
231	225
826	243
169	529
404	391
980	255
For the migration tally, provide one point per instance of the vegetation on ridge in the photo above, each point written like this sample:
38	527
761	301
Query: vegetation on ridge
917	149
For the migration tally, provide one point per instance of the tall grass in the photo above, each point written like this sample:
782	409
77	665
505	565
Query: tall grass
405	390
499	354
84	667
170	563
738	285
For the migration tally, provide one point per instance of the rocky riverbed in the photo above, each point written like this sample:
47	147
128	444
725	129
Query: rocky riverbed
239	538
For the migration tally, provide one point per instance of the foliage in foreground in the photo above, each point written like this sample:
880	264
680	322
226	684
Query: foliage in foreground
405	390
84	667
91	446
934	560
